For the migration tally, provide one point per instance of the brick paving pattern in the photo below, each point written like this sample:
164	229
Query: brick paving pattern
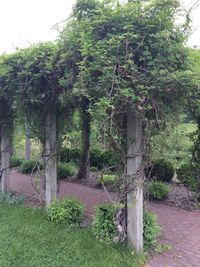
180	228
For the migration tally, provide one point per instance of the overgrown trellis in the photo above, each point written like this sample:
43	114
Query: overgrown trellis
125	64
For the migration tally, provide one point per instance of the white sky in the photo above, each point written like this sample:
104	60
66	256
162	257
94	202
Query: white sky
28	21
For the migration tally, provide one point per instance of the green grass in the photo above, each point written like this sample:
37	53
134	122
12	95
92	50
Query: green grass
27	239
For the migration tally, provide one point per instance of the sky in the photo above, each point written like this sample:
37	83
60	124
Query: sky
25	22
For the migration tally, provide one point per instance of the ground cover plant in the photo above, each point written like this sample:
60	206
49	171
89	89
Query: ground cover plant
29	239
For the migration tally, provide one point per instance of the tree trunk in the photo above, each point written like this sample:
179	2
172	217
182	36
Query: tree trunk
84	169
50	158
5	161
27	141
135	196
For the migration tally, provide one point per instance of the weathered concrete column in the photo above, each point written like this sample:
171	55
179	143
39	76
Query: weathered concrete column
27	140
50	158
135	196
5	161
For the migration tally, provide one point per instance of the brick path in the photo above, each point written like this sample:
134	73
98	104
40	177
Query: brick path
180	228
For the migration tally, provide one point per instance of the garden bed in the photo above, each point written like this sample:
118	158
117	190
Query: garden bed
180	197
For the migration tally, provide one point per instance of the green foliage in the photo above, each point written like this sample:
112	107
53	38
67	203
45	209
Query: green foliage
16	162
162	170
94	169
29	166
69	210
151	230
65	169
188	174
103	225
173	141
158	190
38	242
105	230
109	179
70	154
103	158
12	199
98	158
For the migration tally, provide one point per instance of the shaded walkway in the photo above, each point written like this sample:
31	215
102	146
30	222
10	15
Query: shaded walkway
180	228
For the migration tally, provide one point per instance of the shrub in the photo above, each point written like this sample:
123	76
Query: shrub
12	199
69	210
16	162
70	154
29	166
162	170
103	226
188	174
102	159
108	179
105	230
110	158
65	169
158	190
94	169
98	158
151	230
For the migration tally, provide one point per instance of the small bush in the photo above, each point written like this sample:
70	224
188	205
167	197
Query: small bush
16	162
29	166
162	170
69	210
151	230
103	226
12	199
65	169
158	190
188	174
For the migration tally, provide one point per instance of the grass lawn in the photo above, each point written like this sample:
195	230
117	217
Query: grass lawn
28	239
